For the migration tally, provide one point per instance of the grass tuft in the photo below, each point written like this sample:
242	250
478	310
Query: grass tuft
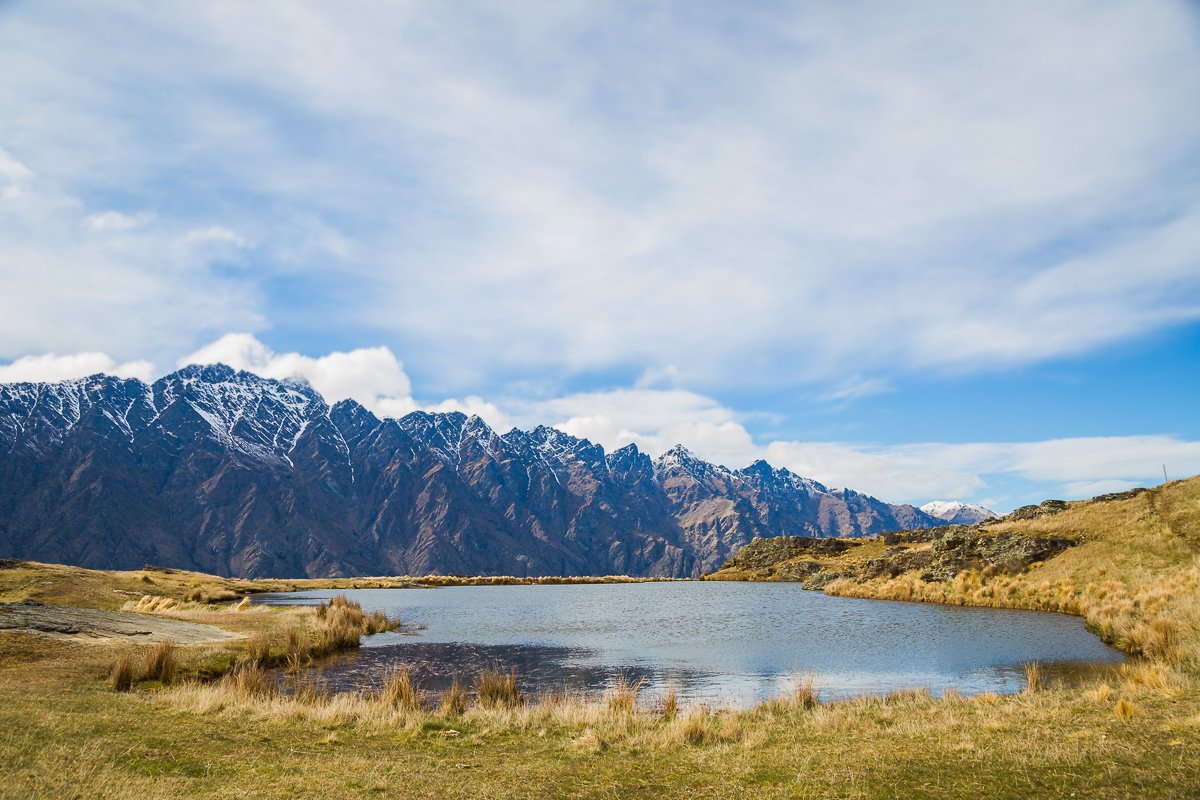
622	697
1126	709
400	691
668	705
497	689
1033	677
161	662
120	678
454	700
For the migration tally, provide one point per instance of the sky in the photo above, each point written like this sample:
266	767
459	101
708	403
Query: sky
936	250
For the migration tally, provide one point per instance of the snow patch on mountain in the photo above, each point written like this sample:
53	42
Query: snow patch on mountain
958	513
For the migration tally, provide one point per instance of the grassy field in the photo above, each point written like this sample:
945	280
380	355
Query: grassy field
217	730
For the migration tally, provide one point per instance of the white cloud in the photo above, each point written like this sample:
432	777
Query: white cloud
214	234
51	367
120	283
812	192
1074	468
13	175
116	221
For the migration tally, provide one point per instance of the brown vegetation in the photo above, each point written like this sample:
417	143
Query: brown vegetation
160	663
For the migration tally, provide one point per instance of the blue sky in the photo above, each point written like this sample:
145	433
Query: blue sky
949	251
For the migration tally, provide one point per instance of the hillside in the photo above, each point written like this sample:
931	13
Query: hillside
228	473
1128	563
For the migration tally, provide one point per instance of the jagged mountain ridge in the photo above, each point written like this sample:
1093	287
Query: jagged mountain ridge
230	473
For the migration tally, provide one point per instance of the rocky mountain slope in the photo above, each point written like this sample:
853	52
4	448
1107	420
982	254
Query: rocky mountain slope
228	473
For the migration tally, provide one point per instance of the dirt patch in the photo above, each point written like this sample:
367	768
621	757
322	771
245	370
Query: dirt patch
89	624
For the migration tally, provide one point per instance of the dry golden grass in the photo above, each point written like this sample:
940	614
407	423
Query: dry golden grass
1124	709
621	698
120	677
495	688
453	701
161	662
1033	677
400	691
668	704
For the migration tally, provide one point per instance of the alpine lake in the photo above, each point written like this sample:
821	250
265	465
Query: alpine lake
724	644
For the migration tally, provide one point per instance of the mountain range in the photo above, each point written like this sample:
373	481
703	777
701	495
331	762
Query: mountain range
229	473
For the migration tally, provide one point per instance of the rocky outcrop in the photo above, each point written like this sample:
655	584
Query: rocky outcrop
231	474
937	554
1047	508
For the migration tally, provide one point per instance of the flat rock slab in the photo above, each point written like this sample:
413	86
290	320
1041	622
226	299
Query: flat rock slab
67	622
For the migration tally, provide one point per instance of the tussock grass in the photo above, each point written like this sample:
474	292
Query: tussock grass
621	698
908	694
1124	709
802	694
120	677
453	701
1033	677
400	691
1153	677
161	662
495	688
668	704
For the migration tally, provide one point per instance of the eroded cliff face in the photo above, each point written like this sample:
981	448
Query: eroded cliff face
229	473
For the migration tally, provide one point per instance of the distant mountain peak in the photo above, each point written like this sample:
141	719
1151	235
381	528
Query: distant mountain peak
958	513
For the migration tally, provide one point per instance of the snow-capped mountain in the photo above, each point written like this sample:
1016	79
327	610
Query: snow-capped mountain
226	472
956	513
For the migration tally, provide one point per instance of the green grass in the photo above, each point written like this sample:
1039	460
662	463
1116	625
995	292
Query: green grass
68	736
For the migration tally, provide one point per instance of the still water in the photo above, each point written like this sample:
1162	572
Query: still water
719	643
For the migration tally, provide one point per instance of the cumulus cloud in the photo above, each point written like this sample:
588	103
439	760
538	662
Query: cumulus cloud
51	368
